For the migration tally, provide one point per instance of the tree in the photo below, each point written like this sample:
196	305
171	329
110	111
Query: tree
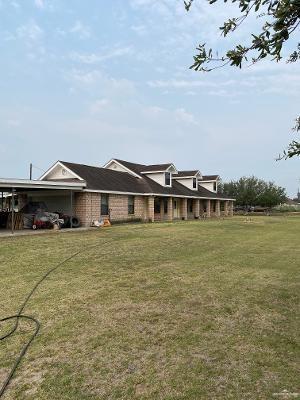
293	148
251	191
281	20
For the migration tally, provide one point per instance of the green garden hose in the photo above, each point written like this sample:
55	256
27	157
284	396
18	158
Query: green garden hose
19	316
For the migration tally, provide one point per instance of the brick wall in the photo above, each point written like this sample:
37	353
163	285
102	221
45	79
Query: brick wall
87	207
118	206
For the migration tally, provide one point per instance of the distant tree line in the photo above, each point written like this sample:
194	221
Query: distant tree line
252	191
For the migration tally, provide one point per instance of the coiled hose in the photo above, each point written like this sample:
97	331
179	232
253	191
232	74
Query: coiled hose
19	316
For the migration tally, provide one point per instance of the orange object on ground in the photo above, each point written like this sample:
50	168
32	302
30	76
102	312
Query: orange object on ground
106	222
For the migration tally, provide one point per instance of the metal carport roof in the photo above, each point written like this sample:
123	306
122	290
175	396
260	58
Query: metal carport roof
19	184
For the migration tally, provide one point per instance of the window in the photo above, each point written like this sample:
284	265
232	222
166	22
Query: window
130	204
168	179
190	206
194	183
215	186
104	204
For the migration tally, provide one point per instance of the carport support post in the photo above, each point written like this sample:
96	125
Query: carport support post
12	211
71	206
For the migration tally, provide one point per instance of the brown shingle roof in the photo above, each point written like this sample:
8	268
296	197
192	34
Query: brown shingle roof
157	167
106	179
209	177
186	173
109	180
138	168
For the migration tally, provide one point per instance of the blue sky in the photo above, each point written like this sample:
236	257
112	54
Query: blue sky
89	81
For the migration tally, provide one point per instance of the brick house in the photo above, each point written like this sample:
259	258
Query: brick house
125	191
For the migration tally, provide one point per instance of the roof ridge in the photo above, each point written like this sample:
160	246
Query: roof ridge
129	162
83	165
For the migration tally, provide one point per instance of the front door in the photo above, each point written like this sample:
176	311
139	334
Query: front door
175	208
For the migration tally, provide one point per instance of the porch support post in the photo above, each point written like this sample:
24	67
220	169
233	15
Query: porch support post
208	214
71	207
231	208
196	208
150	211
201	208
226	208
218	208
170	209
162	209
1	201
12	211
183	210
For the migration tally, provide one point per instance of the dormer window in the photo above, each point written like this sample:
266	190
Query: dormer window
194	183
215	186
167	179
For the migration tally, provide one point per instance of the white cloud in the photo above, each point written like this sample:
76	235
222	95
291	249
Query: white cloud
94	58
15	4
13	122
140	30
186	117
8	36
82	30
98	105
30	32
178	84
39	4
95	82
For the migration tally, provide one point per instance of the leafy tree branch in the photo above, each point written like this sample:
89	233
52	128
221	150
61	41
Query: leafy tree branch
281	22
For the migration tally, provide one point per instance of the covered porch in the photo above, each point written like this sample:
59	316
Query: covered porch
163	208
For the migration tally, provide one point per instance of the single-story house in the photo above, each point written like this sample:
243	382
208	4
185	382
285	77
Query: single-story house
123	191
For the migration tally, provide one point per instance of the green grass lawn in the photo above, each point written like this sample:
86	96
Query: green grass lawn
189	310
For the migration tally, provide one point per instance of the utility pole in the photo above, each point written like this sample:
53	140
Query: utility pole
30	171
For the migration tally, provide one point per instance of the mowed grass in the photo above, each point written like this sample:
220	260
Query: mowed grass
189	310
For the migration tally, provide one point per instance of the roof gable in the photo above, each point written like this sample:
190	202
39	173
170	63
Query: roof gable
60	171
119	165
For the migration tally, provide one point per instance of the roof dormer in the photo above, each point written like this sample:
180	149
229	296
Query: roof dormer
210	182
160	173
189	178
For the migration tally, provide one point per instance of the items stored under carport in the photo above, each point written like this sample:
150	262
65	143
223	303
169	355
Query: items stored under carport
6	220
35	215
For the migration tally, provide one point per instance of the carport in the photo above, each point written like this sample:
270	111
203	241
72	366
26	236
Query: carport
10	188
